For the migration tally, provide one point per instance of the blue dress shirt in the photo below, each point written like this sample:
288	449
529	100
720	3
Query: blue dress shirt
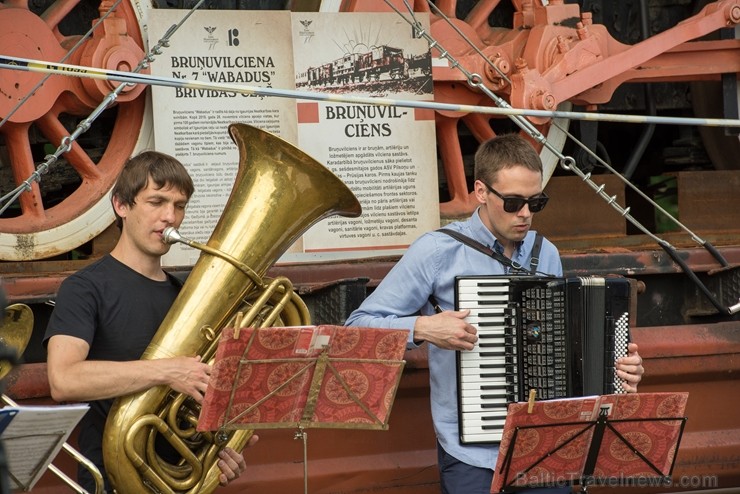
427	268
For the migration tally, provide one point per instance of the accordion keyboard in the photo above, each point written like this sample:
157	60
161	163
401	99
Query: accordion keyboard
557	336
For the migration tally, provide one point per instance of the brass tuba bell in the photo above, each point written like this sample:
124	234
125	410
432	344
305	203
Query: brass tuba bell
279	193
15	333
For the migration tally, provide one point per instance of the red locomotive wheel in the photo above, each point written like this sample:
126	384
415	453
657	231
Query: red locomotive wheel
70	206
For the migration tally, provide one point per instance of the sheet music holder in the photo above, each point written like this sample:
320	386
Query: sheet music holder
304	377
597	440
32	437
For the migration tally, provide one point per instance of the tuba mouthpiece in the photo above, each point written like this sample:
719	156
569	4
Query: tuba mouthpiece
170	235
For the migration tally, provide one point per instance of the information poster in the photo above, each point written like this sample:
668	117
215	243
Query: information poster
386	154
218	46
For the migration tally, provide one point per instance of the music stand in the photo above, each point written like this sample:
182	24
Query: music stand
32	436
304	377
607	440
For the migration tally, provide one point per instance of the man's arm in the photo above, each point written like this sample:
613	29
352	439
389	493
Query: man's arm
396	301
73	378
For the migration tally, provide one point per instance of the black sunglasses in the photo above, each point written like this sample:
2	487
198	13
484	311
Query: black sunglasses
515	204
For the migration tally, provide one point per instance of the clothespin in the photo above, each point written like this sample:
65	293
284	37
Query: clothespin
532	394
238	324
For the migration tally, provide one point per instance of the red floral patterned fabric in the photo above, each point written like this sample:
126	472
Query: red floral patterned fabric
649	424
309	376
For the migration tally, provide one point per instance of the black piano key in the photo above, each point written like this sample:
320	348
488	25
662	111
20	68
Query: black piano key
494	406
493	396
488	387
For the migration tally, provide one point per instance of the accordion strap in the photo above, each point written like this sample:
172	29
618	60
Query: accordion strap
493	254
535	259
498	256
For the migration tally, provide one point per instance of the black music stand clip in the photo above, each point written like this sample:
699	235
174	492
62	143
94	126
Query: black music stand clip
522	466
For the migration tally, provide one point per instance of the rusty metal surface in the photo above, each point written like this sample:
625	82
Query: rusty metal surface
28	381
708	211
631	256
649	261
37	288
645	260
589	216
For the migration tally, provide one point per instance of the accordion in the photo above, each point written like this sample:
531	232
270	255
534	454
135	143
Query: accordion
557	336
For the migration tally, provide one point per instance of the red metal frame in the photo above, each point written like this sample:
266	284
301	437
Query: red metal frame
547	64
554	54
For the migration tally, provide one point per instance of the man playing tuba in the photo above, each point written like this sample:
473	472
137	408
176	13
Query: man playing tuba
107	313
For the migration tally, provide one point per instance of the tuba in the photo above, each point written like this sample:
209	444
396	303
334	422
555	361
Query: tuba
279	193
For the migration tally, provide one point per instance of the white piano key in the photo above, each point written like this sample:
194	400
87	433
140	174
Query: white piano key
476	397
488	312
482	438
479	385
480	416
487	337
477	425
476	319
474	361
486	387
481	403
493	355
484	302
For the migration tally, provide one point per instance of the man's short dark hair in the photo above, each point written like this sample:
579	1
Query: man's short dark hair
502	152
160	168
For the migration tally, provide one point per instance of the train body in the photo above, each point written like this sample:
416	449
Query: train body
379	62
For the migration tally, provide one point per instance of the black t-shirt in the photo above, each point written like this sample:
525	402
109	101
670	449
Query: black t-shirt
117	311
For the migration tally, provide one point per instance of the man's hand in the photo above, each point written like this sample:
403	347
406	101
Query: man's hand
232	464
447	330
630	368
